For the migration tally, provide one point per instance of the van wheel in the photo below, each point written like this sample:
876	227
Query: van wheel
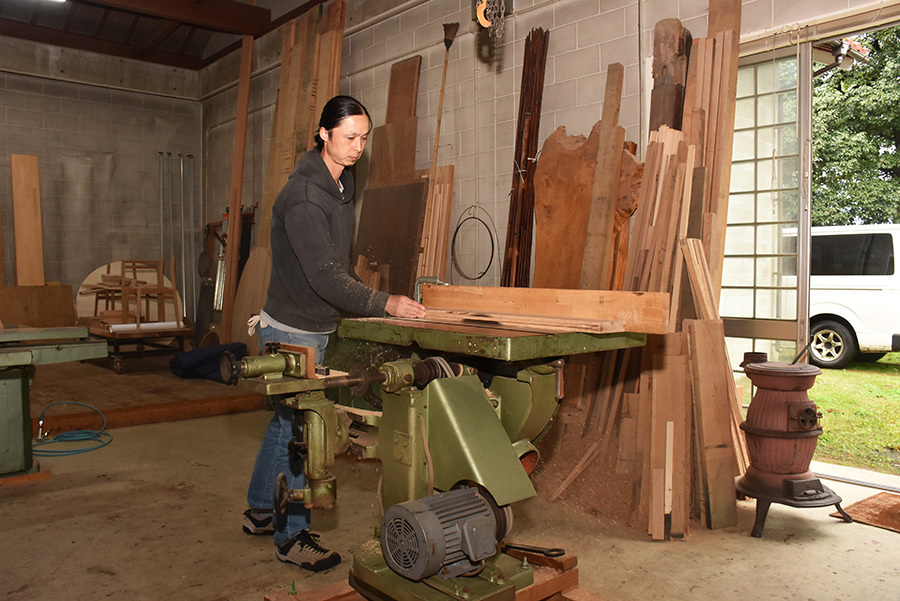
833	345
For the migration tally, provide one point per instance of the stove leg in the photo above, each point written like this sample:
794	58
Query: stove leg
762	509
844	515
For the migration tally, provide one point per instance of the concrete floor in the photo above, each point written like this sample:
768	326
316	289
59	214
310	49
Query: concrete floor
157	513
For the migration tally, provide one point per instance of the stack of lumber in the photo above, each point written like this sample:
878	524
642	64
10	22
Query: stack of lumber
404	223
672	407
708	118
310	71
517	256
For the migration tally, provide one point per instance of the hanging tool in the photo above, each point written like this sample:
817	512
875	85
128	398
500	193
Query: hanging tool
450	30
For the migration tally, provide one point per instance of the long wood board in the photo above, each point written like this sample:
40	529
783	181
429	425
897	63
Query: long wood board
26	196
641	312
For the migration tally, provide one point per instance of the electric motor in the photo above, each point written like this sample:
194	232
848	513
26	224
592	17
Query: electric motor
449	533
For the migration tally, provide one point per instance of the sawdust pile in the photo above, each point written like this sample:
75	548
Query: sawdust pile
600	490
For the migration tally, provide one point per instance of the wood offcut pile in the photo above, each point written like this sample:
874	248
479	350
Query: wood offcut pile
650	432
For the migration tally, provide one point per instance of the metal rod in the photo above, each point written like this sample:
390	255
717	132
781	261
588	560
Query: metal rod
193	263
162	207
183	259
171	211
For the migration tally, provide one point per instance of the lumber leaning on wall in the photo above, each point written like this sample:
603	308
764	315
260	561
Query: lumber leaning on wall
26	195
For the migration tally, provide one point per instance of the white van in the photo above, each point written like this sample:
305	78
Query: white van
854	296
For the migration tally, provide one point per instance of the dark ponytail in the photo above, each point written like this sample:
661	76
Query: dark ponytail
336	110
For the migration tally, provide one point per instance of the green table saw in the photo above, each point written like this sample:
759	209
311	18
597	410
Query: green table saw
21	349
453	413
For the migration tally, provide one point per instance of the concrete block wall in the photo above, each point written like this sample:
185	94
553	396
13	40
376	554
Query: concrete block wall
98	152
98	138
218	143
478	128
481	99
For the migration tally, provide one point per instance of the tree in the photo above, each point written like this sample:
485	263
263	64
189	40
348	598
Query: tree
856	137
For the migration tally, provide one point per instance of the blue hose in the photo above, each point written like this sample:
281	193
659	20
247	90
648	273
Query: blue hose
100	437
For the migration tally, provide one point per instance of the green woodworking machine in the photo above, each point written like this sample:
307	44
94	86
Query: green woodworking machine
21	349
453	413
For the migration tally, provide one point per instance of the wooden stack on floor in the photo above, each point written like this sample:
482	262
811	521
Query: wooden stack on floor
517	255
649	401
310	71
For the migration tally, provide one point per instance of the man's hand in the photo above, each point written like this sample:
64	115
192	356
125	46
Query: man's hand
403	306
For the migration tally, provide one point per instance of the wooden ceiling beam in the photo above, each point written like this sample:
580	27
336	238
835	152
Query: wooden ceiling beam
162	31
219	15
55	37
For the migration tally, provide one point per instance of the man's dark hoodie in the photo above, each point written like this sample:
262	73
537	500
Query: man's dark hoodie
312	230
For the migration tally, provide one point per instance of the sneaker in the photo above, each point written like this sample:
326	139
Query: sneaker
258	523
304	550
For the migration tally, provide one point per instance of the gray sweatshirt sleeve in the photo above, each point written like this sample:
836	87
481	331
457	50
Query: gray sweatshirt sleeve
308	232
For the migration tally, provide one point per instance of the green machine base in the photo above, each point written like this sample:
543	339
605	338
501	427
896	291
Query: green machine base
501	577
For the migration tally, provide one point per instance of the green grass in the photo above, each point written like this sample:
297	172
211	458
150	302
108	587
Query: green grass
860	408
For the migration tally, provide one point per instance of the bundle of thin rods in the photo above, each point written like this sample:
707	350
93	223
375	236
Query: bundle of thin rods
517	258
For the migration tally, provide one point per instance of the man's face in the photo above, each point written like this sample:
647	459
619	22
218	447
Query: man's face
344	144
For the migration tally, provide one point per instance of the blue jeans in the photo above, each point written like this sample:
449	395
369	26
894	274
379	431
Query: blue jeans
272	458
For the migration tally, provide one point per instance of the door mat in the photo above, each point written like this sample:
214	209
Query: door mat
881	510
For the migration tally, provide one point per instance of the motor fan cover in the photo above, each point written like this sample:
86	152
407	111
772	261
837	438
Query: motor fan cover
447	534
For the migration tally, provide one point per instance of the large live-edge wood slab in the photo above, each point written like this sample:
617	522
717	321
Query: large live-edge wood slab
641	312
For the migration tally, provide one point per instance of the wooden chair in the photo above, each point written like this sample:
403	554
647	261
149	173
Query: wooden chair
140	285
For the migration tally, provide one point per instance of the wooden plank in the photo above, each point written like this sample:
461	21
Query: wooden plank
599	247
631	173
671	45
37	306
548	582
403	89
727	48
525	323
724	15
25	478
232	251
26	198
657	508
443	200
640	312
336	591
713	420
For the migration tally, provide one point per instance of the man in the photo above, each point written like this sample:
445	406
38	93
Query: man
309	287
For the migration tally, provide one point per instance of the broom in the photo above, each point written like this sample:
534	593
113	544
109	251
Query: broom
426	265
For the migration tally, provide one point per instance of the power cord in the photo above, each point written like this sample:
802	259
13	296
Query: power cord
100	437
